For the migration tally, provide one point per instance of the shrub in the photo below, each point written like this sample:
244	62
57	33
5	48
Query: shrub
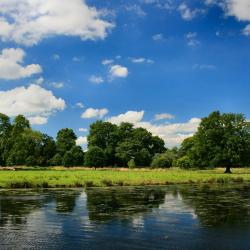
131	164
183	162
56	160
31	161
164	160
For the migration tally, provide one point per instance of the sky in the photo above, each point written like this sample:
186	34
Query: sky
159	64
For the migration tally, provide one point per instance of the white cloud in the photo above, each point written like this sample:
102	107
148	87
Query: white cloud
11	65
246	30
158	37
172	133
38	120
36	103
96	79
80	105
187	13
164	116
38	81
57	85
83	130
107	61
81	141
118	71
141	60
192	39
135	8
238	8
94	113
27	22
130	116
76	59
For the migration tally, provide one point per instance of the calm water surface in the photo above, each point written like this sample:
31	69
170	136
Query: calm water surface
171	217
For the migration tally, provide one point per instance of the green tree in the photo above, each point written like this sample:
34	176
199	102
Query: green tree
164	160
66	139
222	140
56	160
94	157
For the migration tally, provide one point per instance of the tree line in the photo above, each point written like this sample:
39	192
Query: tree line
222	140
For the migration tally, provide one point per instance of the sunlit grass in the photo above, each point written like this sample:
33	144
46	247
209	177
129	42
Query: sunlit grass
111	177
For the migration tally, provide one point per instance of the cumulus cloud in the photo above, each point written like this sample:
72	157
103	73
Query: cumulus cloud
130	116
118	71
81	141
28	22
11	65
96	79
83	130
164	116
35	102
172	133
94	113
246	30
239	8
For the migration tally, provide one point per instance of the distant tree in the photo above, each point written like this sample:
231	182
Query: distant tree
164	160
104	135
74	157
5	132
94	157
66	139
56	160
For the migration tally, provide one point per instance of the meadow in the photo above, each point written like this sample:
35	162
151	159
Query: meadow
69	178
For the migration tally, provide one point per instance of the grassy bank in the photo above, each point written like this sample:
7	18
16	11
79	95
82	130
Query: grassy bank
98	178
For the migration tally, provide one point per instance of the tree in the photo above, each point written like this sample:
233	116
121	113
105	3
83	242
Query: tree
164	160
5	131
66	139
74	157
94	157
222	140
56	160
105	136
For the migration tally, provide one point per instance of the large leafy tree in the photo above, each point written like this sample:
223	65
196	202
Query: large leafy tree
66	139
222	140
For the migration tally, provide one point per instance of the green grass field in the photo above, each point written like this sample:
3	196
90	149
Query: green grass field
98	178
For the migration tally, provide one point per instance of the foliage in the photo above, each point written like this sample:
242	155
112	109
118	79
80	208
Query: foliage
131	164
94	157
164	160
183	162
222	140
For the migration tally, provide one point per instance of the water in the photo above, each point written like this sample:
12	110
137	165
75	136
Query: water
170	217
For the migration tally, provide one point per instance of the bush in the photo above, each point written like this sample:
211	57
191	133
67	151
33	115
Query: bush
56	160
183	162
94	157
31	161
164	160
131	164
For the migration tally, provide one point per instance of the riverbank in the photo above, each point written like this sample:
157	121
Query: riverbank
68	178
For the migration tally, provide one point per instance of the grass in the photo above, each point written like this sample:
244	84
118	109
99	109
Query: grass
68	178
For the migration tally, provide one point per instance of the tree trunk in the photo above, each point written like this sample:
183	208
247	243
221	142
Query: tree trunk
228	170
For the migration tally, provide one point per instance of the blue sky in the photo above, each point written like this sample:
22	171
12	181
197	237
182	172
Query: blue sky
159	64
